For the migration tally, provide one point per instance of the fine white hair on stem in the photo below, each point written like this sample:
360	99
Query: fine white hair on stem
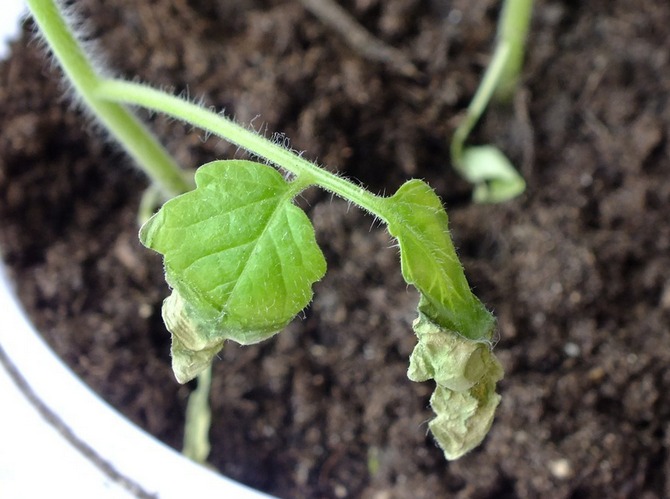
83	32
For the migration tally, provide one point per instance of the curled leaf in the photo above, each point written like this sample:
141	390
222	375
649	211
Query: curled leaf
460	430
240	256
454	329
428	261
495	178
193	347
448	358
466	373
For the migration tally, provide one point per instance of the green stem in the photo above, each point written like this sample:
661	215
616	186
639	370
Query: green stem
124	126
479	102
198	419
142	95
502	73
513	29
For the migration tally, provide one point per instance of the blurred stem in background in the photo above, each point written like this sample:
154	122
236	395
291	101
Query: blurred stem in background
494	177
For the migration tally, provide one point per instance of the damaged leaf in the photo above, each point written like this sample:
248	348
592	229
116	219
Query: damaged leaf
466	373
240	256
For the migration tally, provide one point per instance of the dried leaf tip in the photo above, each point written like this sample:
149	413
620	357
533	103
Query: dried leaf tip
193	347
466	373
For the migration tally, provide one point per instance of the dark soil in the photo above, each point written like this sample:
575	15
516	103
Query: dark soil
577	269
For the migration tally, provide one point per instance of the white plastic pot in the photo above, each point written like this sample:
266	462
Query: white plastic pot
59	439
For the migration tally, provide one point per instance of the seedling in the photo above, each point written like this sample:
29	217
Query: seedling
493	175
241	257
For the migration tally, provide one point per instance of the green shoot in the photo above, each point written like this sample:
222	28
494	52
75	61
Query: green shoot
198	419
493	175
241	257
512	32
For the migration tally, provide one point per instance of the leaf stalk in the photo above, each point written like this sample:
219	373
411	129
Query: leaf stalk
126	92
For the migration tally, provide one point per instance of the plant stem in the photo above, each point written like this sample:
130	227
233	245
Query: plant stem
479	101
501	75
198	419
512	30
135	138
147	97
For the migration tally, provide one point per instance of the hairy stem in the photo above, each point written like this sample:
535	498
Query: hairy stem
135	138
156	100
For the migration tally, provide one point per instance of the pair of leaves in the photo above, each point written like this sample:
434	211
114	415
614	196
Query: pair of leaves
241	259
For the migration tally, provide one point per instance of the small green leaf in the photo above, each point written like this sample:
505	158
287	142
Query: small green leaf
466	373
495	178
428	261
240	256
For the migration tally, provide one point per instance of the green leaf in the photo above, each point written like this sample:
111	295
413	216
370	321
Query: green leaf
466	373
240	256
495	178
454	329
417	219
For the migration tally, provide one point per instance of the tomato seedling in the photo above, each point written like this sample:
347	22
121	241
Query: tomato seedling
241	257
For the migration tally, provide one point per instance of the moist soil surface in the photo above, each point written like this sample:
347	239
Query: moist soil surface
577	269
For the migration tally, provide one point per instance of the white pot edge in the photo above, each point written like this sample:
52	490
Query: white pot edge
128	463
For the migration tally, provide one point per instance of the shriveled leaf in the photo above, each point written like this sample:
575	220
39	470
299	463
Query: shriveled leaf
193	344
240	256
428	261
466	373
454	328
447	357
